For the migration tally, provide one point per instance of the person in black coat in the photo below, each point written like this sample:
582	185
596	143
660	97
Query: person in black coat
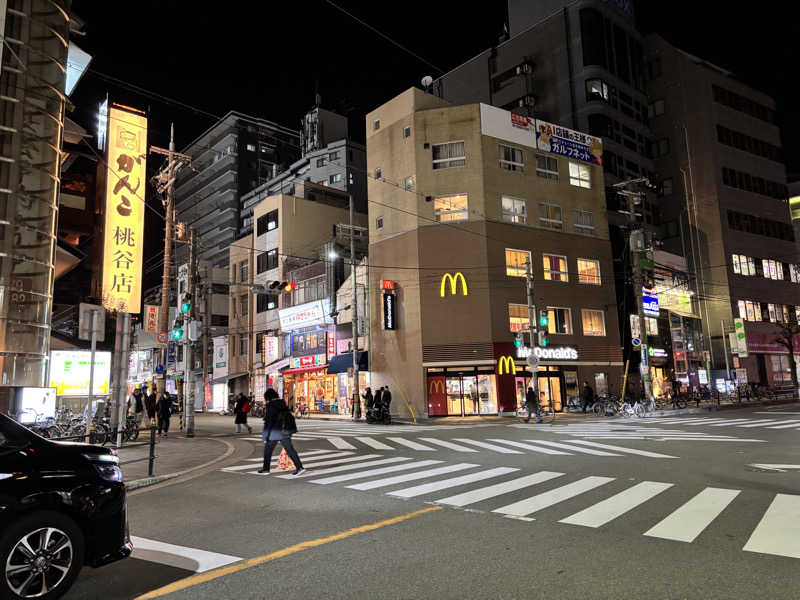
378	398
240	413
387	397
533	405
150	408
276	417
369	401
163	412
587	395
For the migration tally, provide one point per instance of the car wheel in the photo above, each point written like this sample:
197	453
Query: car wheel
40	556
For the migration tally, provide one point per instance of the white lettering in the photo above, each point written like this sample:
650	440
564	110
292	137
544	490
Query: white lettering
562	353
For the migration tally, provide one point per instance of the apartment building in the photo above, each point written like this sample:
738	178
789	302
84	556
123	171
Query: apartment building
461	198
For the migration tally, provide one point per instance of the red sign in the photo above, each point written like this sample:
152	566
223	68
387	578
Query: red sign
764	343
437	396
387	284
151	318
162	337
331	344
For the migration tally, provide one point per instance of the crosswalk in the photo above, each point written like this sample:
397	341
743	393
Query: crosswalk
511	492
465	445
631	430
774	422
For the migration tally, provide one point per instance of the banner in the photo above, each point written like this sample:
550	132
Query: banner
151	318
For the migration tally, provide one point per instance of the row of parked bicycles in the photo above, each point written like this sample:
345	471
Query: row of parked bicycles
67	425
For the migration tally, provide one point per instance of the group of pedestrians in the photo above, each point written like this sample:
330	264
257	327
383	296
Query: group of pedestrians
149	410
382	397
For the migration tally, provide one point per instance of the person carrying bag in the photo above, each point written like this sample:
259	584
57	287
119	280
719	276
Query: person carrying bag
279	425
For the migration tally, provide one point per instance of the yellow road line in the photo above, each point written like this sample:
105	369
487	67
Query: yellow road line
194	580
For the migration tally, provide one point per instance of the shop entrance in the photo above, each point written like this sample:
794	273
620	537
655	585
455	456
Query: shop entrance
462	396
550	384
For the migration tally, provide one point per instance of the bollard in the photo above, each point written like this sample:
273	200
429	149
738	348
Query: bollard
152	457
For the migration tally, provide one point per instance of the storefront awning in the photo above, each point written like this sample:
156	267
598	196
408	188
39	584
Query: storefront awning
304	369
341	363
227	378
277	365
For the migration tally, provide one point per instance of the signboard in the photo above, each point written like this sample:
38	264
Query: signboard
387	284
650	305
556	353
162	337
220	364
657	352
635	327
390	311
636	342
151	318
102	125
568	142
305	315
702	376
331	343
69	372
269	349
85	322
126	182
309	342
311	360
741	376
741	338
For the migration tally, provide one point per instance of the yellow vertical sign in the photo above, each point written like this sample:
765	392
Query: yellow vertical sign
126	181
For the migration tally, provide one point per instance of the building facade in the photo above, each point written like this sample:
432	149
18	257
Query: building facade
460	198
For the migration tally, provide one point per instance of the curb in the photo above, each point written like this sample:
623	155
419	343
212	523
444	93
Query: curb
137	484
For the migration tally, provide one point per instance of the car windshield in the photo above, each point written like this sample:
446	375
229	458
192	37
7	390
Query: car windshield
12	434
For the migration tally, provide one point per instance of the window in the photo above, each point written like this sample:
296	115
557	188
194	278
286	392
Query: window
243	305
773	313
773	269
450	208
752	145
408	183
449	155
333	156
261	262
266	302
244	343
555	267
584	221
661	147
377	173
794	273
511	159
180	353
589	271
379	223
760	226
752	183
243	271
550	216
517	317
579	175
514	210
742	104
376	125
271	259
335	178
321	162
261	225
406	132
594	322
655	109
272	220
596	89
749	310
744	265
781	367
560	320
666	187
547	167
251	147
515	262
651	325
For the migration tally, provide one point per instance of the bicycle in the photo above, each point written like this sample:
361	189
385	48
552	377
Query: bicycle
546	414
606	405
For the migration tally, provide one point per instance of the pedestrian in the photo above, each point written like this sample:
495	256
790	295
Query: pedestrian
377	403
164	412
533	405
279	425
138	405
150	408
587	396
240	410
387	398
369	401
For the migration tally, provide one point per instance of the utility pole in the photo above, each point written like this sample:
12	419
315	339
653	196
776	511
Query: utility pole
188	365
531	327
354	312
205	286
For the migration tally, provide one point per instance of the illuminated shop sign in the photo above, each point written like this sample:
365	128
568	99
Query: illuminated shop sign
506	364
389	311
311	360
453	281
650	305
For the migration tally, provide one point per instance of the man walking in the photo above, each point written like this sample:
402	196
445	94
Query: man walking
587	396
164	412
532	405
150	408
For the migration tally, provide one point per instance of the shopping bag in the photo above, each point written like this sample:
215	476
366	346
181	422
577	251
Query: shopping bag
284	462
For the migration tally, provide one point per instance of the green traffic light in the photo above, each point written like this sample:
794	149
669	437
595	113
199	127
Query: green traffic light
177	333
517	342
186	307
545	341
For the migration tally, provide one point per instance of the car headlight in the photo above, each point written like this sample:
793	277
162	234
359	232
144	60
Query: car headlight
106	465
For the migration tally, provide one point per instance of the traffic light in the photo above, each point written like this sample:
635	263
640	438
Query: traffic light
177	329
544	319
518	340
543	339
186	306
290	286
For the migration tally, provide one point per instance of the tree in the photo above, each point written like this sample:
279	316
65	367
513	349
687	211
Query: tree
785	337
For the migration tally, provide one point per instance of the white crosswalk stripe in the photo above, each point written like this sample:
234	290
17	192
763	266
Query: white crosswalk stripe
373	472
350	467
446	444
623	449
786	425
492	447
338	461
340	443
617	505
533	504
778	532
435	486
411	444
499	489
369	485
531	447
689	521
573	448
373	443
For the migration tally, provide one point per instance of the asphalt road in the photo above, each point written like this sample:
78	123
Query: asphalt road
652	508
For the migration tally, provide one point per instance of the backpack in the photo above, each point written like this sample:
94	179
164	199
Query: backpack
289	425
246	407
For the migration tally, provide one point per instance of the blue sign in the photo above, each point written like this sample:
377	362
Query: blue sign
650	305
159	369
171	355
644	357
636	342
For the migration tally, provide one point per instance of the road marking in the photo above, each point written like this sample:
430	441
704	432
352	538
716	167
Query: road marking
373	472
776	468
183	557
609	509
532	448
623	449
787	426
338	461
777	412
778	532
565	492
410	444
373	443
499	489
689	521
260	560
369	485
573	448
351	467
764	423
492	447
443	484
341	444
734	422
256	462
449	445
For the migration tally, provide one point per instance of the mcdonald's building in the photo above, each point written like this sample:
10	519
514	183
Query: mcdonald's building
485	199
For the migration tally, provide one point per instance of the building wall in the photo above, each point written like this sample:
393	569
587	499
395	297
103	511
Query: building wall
239	324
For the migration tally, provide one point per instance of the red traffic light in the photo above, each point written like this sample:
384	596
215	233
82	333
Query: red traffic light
290	287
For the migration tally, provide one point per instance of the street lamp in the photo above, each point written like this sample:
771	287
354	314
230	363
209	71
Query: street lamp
332	255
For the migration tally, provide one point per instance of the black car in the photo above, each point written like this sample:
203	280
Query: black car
62	506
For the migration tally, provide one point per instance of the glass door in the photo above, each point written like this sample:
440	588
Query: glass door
454	404
487	395
469	387
550	391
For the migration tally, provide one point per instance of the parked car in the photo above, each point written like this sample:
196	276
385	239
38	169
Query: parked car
62	506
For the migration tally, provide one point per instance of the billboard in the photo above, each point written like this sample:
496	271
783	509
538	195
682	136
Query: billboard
151	318
305	315
69	372
126	182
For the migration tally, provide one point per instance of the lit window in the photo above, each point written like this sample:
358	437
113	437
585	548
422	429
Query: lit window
449	155
773	269
335	178
596	89
773	313
584	221
550	216
555	267
379	223
450	208
517	317
589	271
594	322
559	320
514	210
547	167
251	147
272	303
511	159
272	220
516	262
408	183
651	325
794	273
580	175
749	310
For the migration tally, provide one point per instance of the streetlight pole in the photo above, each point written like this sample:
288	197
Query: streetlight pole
531	327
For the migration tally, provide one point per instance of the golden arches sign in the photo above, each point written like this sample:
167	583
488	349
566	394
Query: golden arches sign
436	385
453	279
506	364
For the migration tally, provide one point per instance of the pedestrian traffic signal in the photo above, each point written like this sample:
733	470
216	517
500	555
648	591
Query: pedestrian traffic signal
543	339
177	329
544	319
186	306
